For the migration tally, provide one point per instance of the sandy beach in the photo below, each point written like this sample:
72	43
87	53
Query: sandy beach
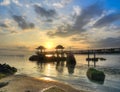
24	83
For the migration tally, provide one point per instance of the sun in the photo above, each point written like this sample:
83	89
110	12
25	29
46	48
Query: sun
49	45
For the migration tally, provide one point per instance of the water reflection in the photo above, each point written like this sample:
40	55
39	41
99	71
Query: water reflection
71	62
41	66
58	66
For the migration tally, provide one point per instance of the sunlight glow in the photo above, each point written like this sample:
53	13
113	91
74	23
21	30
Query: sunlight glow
45	78
48	55
48	66
49	45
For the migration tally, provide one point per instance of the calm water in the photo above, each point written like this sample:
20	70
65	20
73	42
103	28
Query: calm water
78	79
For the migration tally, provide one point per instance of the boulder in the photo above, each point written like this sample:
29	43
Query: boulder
34	58
2	84
95	75
6	70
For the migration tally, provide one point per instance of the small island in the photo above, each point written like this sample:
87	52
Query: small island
42	55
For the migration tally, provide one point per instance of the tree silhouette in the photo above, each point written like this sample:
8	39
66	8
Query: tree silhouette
59	50
59	47
40	49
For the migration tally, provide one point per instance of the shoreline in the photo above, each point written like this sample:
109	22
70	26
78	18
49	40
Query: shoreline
24	83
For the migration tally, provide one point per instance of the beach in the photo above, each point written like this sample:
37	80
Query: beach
24	83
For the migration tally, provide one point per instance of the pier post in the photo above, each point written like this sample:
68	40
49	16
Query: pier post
94	60
88	58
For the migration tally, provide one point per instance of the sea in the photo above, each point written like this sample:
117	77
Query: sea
76	77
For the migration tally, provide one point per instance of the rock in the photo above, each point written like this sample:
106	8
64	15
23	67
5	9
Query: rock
34	58
6	70
27	91
3	84
95	75
71	61
40	57
2	75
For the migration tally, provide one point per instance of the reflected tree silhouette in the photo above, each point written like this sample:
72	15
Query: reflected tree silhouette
58	60
71	62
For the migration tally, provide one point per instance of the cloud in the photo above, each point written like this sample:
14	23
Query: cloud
20	50
79	38
4	2
62	31
17	2
3	25
80	23
61	3
22	23
108	19
108	42
50	13
49	20
76	10
82	20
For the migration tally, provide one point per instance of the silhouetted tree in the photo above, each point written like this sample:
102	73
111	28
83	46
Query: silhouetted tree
59	47
40	49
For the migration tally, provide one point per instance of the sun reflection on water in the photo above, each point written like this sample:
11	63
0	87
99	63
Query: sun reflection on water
48	55
48	69
47	79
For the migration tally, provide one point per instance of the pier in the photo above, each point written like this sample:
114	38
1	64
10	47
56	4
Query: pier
60	54
91	51
99	51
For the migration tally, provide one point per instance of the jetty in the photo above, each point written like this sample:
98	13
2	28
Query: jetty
60	54
91	51
98	51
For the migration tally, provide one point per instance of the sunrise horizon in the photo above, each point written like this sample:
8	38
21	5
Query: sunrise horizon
59	45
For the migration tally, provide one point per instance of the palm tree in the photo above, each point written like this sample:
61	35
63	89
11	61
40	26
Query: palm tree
40	49
59	49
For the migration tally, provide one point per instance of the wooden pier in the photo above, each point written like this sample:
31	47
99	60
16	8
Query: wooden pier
91	51
98	51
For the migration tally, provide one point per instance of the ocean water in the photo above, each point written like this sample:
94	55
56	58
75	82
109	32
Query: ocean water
76	76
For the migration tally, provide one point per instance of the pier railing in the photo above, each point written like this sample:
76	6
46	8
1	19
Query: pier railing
98	51
91	51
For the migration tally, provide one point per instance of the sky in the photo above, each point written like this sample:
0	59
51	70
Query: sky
76	24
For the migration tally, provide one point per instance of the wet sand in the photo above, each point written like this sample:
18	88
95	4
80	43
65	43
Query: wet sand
23	83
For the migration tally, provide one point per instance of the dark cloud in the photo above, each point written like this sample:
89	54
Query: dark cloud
44	13
81	21
79	39
22	23
49	20
108	42
86	15
62	31
104	43
20	50
3	25
108	19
